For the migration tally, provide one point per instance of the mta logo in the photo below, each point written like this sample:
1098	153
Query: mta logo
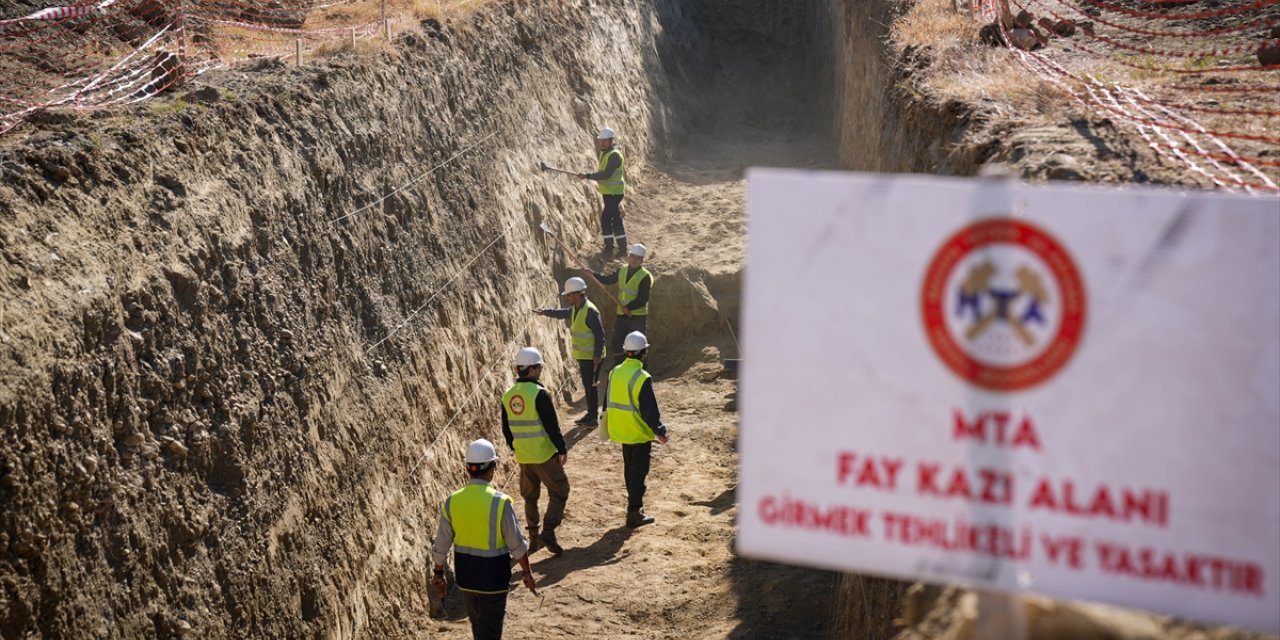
987	304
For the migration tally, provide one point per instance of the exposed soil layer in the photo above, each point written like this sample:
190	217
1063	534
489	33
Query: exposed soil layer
246	334
247	331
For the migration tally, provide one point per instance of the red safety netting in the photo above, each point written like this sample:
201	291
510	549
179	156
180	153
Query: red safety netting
1231	41
88	54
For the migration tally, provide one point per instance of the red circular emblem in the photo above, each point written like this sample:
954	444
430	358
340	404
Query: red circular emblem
1003	304
517	405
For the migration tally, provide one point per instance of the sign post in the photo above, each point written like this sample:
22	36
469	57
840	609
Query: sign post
1060	390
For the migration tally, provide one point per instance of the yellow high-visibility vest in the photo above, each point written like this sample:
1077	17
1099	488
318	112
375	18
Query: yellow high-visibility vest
584	342
623	407
481	559
616	184
629	289
529	437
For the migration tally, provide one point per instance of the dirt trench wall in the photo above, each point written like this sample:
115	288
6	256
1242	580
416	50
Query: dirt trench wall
881	126
234	384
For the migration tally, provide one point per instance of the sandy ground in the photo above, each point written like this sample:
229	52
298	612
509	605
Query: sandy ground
679	577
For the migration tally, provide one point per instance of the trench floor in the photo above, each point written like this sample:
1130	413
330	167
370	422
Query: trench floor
679	577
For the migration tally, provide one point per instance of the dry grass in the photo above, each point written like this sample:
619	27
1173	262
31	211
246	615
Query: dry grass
235	43
963	69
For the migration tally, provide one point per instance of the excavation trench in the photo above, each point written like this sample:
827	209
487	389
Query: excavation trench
245	338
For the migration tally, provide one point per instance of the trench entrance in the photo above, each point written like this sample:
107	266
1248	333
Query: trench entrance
750	91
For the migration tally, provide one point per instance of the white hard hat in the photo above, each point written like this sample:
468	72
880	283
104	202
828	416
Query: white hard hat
635	341
605	133
528	357
481	452
574	285
639	250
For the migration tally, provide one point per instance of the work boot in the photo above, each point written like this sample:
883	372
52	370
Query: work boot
534	543
548	540
637	518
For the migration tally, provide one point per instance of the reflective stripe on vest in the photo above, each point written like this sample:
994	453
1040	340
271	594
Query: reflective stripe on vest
616	184
623	406
529	437
584	342
629	289
482	561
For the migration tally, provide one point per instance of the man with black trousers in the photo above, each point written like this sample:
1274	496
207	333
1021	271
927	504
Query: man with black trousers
634	285
633	421
481	522
587	340
611	182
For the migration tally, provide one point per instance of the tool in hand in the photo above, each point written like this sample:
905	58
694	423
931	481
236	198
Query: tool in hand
547	229
545	168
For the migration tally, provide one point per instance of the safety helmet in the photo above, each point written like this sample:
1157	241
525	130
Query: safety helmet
481	452
605	134
574	285
528	357
635	341
638	250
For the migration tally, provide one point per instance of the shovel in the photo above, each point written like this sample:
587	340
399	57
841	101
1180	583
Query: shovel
545	168
547	230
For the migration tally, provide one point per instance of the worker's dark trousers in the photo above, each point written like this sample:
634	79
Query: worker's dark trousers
622	325
635	467
486	611
532	477
611	228
587	369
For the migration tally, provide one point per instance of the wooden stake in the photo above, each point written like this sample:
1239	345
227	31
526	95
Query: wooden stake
297	51
353	37
386	26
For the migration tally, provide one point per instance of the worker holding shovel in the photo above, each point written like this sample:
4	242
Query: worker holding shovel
610	177
587	338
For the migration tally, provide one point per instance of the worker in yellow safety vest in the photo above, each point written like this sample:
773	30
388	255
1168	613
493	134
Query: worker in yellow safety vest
633	420
586	331
634	286
532	430
611	182
479	523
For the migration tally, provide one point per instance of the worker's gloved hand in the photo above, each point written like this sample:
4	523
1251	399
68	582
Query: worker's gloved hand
441	586
530	583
